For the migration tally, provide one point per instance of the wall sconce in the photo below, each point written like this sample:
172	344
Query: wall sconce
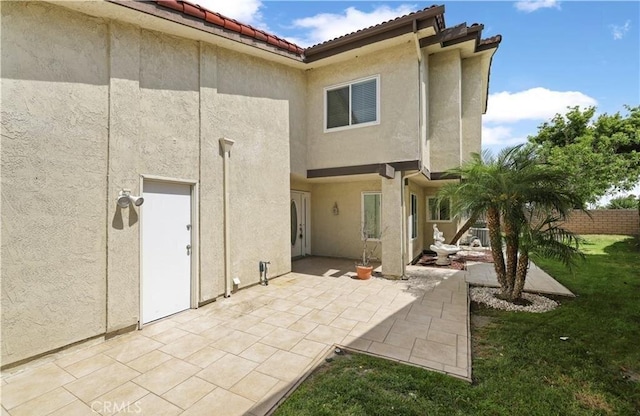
125	198
336	211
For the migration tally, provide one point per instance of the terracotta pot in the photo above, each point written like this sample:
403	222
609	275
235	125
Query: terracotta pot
364	272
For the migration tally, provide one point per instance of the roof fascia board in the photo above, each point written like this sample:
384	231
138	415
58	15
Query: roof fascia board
383	31
372	39
378	168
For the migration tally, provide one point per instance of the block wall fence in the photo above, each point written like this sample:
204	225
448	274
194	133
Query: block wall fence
605	221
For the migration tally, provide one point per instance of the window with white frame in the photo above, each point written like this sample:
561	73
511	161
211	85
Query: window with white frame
439	210
414	216
371	219
352	104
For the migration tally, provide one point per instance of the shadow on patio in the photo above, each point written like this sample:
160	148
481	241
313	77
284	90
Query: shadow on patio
242	355
422	321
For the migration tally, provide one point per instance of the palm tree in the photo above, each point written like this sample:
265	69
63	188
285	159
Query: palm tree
523	200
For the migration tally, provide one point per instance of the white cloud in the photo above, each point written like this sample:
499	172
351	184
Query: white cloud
618	32
326	26
500	136
245	11
533	104
529	6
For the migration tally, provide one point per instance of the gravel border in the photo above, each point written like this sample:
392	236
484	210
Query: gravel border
485	295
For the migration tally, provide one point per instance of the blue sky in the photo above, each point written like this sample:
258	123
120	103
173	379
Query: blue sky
553	54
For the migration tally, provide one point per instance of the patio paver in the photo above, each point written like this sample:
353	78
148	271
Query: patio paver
242	354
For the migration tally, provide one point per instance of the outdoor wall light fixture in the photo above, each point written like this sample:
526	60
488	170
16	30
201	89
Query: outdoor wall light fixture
336	211
125	198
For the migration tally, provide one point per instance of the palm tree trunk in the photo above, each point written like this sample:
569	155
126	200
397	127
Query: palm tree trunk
493	223
521	275
511	237
464	228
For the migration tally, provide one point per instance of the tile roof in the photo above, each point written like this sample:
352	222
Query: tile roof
434	6
233	25
491	40
435	11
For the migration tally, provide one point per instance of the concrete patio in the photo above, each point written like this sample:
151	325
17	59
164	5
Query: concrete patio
483	274
241	355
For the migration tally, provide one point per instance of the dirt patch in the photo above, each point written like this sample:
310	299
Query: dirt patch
480	347
481	321
593	401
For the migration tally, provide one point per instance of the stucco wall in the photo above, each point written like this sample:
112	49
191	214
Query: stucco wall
339	235
424	111
54	162
89	105
211	180
124	144
73	136
445	110
393	237
471	106
263	96
298	184
396	138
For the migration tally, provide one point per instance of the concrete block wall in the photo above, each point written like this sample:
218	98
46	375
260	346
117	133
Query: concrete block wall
605	221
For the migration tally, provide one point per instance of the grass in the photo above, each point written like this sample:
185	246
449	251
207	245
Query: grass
520	365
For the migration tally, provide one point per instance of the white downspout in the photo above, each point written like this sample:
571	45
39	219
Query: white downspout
226	145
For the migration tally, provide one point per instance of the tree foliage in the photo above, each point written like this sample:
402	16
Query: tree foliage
597	154
624	202
523	200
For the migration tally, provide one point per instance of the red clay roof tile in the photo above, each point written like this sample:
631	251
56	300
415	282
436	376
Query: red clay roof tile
193	10
492	39
233	25
173	4
214	18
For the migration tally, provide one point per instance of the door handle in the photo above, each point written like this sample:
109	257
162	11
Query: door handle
188	249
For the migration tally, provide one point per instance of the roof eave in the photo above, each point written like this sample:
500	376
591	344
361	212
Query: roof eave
207	21
430	17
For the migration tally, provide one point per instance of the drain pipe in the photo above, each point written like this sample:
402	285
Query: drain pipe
225	145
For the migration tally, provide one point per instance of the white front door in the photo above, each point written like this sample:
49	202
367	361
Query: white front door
300	243
166	249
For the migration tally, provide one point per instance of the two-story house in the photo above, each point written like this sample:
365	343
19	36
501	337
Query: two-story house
244	148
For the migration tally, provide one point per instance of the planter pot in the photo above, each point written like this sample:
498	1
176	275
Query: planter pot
364	272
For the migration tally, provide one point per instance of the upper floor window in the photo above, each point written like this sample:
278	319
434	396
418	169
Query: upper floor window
439	210
353	104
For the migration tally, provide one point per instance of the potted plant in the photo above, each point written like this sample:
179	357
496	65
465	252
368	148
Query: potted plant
364	268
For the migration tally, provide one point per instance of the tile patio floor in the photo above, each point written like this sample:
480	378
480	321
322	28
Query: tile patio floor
241	355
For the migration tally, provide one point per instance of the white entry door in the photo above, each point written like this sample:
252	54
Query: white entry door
166	249
300	242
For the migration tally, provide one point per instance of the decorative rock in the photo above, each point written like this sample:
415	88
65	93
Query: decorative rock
486	296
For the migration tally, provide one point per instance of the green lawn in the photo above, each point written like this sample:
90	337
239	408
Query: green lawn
520	365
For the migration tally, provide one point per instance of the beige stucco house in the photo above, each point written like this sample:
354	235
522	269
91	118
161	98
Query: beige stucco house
245	148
